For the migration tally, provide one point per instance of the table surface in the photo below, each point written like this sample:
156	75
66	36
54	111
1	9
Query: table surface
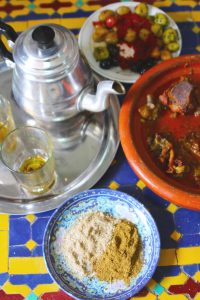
23	274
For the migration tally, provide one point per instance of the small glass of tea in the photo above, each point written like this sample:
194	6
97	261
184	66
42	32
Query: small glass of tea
29	154
7	123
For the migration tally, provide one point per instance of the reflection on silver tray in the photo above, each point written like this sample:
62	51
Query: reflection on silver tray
81	158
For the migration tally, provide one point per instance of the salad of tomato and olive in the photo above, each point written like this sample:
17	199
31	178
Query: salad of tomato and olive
133	40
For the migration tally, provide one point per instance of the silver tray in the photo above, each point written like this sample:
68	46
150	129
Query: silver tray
83	152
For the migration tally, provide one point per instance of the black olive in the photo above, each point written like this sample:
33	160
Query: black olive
147	65
114	62
113	50
142	70
106	64
137	66
150	63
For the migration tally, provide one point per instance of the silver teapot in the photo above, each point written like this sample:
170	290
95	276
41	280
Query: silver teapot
51	80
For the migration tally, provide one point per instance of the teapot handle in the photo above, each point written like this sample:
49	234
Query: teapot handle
11	36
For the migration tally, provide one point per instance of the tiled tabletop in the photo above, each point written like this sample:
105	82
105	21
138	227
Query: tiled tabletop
23	274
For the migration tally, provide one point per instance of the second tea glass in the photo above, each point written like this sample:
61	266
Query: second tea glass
28	153
6	118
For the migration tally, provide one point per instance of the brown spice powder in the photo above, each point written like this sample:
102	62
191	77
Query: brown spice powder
122	258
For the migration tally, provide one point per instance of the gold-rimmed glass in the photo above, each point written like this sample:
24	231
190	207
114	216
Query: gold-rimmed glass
7	123
29	154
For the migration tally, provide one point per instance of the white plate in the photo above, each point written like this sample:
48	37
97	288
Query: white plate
86	43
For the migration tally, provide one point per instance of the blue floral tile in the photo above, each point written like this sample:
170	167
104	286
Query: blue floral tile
32	280
187	221
3	278
19	251
17	216
166	272
155	198
38	228
191	240
163	217
190	269
37	251
20	231
45	214
120	172
189	38
173	8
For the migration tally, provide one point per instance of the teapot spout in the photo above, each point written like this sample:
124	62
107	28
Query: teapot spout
100	101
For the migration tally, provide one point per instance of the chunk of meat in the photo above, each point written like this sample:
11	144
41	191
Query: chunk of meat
149	111
167	155
192	145
178	96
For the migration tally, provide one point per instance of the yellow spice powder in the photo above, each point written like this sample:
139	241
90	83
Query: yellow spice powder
122	258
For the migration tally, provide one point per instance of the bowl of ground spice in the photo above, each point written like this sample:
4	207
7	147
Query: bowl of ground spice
101	244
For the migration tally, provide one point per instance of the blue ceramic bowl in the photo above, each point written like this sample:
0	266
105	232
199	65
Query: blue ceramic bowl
120	205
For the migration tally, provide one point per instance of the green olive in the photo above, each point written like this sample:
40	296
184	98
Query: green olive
170	35
105	14
101	53
99	34
144	33
123	10
157	30
111	37
130	35
161	19
173	47
142	9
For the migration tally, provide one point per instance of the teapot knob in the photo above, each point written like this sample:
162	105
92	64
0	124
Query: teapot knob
44	36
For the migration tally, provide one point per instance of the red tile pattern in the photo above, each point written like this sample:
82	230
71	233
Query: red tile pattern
8	8
56	296
56	5
4	296
191	288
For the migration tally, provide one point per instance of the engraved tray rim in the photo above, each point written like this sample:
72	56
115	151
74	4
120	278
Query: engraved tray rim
91	175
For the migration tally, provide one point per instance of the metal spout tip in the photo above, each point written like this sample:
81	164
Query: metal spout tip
118	88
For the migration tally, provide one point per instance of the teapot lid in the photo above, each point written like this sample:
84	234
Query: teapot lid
46	50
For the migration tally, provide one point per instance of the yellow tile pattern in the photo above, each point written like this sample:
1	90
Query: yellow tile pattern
162	3
198	48
10	288
175	235
165	296
31	218
148	297
187	256
173	280
167	257
197	276
141	184
151	284
23	12
19	26
181	256
196	29
27	265
172	208
186	2
4	222
3	251
183	16
31	245
43	288
114	185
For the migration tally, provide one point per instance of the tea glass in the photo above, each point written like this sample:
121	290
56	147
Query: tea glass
7	123
29	154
